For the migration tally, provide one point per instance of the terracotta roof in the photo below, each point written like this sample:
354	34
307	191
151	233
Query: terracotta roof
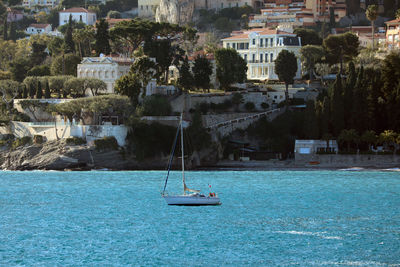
202	53
39	26
395	21
76	10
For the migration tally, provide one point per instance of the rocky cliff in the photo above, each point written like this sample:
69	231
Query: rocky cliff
175	11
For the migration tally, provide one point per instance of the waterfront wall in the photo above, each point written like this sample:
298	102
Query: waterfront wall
339	160
50	131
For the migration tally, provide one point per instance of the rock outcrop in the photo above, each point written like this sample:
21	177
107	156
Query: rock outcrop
175	11
58	155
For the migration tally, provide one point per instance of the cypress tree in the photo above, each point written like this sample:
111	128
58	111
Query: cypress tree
5	29
39	92
337	106
185	79
102	37
32	90
25	92
348	94
13	32
326	117
47	94
68	40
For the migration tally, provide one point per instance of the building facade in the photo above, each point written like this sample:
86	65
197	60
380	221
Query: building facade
107	69
45	3
79	14
392	34
147	8
38	29
14	15
260	47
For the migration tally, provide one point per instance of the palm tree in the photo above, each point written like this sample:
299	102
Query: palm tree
388	137
372	15
348	137
369	137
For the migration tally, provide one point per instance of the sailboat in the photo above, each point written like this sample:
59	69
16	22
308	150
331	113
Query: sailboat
190	197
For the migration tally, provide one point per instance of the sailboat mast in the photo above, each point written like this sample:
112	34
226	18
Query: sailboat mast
183	156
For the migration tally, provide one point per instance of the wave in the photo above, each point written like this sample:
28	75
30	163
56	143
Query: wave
317	234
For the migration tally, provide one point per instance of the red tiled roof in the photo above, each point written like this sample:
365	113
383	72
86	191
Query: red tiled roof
76	10
395	21
39	26
202	53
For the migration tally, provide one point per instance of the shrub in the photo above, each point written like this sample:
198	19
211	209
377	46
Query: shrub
38	139
21	141
156	106
7	137
75	141
106	143
204	107
249	106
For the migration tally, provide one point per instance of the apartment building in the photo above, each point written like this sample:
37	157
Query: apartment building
321	9
45	3
392	34
260	47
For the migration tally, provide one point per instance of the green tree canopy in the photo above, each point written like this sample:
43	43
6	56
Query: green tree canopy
286	68
185	79
202	70
102	37
130	86
308	36
341	48
65	64
231	67
310	55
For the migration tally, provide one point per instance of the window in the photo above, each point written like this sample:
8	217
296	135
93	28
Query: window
261	42
228	45
234	45
266	42
245	57
272	42
266	57
261	58
253	58
254	41
247	46
271	57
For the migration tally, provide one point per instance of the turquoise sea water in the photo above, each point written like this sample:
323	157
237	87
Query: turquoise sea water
276	218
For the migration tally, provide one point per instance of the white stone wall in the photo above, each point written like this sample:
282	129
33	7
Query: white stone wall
88	132
146	8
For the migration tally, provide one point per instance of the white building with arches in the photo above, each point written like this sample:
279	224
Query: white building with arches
107	69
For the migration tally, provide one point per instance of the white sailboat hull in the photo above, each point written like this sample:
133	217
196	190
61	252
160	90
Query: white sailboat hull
192	200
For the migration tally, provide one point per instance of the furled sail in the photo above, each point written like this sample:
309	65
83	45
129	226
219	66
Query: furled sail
185	188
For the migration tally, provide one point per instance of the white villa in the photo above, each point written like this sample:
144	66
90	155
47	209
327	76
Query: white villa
107	69
260	47
38	29
79	14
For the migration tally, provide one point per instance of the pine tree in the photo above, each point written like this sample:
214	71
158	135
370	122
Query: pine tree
201	72
47	94
39	92
102	37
